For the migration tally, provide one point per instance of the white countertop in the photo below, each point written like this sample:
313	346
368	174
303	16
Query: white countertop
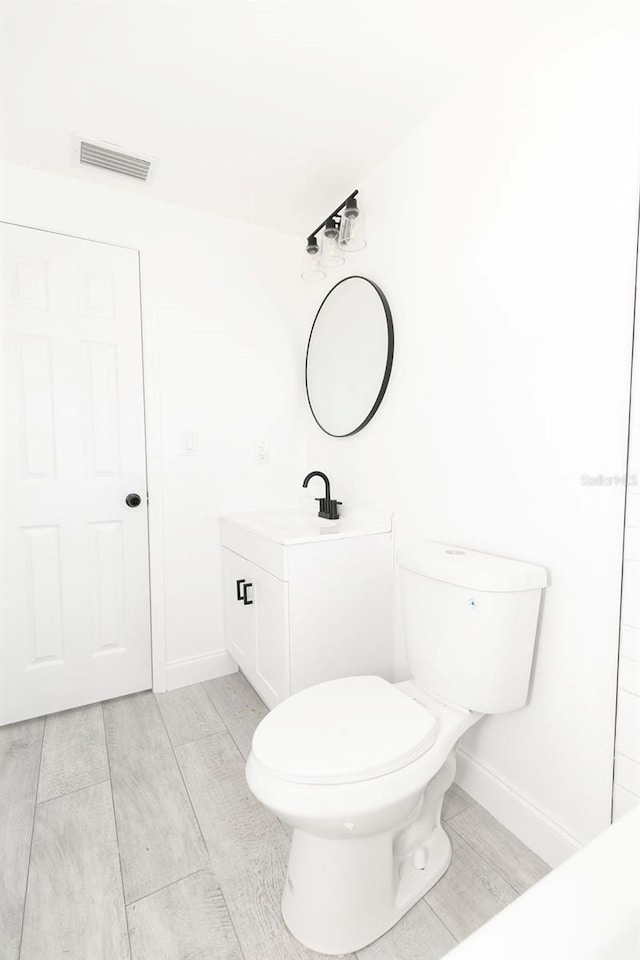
290	527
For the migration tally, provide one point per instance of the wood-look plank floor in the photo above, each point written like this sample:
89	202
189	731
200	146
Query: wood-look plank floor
186	919
74	905
20	753
159	836
128	832
74	754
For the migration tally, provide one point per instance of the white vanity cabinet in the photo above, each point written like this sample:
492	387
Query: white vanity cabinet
315	607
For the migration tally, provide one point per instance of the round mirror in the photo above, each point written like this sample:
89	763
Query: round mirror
349	356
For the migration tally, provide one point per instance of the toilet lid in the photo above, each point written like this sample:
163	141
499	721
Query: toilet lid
343	731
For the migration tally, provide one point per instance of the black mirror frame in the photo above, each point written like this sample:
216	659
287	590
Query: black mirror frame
389	363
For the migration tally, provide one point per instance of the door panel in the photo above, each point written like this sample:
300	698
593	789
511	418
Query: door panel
239	618
100	363
108	620
34	407
272	635
76	570
44	612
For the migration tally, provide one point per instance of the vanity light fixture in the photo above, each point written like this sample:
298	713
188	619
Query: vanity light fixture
342	232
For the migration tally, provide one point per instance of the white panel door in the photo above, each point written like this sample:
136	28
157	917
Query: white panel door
75	560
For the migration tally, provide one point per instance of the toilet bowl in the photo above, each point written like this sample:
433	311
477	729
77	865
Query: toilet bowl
358	766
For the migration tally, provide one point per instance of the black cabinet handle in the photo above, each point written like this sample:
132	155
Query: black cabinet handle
238	592
246	602
133	499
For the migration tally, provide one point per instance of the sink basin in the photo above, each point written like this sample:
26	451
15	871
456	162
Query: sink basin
298	523
290	527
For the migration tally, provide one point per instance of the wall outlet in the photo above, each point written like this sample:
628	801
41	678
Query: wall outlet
263	453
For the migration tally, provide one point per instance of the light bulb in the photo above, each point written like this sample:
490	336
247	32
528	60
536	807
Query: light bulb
352	228
330	255
311	269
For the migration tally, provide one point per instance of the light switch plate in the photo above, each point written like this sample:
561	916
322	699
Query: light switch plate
189	443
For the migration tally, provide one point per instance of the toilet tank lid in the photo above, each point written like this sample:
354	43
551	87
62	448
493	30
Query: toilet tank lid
469	568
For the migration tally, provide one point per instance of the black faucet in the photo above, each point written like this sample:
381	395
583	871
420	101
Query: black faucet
328	507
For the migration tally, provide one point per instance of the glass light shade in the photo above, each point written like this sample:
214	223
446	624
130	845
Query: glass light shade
330	254
311	269
352	233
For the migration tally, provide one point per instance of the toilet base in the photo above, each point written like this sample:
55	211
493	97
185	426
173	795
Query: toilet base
340	895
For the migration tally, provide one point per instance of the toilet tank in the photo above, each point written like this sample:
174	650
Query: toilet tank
470	623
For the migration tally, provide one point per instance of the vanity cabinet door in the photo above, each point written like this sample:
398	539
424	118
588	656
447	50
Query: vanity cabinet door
256	612
239	616
271	596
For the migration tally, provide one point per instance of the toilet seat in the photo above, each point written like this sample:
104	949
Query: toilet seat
343	731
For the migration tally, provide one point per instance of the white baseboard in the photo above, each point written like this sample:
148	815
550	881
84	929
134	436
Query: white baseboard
518	814
180	673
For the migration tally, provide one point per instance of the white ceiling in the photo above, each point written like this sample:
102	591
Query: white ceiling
268	112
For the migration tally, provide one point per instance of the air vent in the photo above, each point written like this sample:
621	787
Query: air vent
96	155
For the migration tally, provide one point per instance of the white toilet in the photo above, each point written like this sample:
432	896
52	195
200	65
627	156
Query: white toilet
359	766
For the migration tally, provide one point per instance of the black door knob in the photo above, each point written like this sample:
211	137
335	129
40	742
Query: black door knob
133	500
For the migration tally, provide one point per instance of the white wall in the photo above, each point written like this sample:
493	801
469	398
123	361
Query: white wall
219	364
626	790
503	233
